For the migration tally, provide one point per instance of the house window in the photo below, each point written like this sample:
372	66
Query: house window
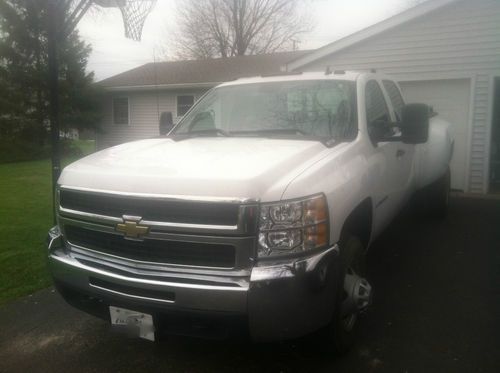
120	110
184	103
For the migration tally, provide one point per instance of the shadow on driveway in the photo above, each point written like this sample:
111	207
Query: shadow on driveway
436	309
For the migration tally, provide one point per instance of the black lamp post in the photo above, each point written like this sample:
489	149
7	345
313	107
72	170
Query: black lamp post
54	22
61	22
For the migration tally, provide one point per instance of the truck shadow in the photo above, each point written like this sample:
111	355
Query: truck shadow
434	309
395	272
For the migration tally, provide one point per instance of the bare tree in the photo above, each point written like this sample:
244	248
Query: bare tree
224	28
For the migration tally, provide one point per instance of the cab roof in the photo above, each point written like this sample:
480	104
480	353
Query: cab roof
285	77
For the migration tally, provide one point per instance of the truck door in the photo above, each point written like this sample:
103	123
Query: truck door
384	159
404	152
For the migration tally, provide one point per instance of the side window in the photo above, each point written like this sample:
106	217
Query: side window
395	96
376	107
120	110
184	103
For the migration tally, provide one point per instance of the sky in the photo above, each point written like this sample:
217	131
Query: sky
112	53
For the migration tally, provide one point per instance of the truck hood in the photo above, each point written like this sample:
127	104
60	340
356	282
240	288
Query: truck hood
239	168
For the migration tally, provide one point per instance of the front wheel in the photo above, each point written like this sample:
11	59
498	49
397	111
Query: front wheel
353	294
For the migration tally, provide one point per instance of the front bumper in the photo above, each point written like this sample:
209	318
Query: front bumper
276	301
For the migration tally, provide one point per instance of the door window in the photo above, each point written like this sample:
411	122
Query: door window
377	112
395	96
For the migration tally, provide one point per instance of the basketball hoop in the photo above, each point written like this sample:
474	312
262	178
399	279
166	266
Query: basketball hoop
134	13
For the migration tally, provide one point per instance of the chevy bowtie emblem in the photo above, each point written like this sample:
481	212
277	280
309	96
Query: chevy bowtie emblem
131	229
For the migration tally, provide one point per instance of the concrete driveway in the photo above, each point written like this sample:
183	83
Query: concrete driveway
436	309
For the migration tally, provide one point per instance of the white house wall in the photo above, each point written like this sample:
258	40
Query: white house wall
451	99
144	110
461	40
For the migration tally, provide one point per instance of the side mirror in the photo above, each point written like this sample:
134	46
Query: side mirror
415	123
380	130
166	122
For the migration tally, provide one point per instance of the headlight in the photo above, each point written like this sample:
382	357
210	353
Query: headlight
290	227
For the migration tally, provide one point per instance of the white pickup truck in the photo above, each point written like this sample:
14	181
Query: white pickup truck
253	213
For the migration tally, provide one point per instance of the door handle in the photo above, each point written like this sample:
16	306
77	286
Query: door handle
400	153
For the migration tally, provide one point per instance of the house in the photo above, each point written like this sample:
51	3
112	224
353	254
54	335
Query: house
136	98
443	52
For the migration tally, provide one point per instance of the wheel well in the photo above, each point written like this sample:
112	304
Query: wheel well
359	222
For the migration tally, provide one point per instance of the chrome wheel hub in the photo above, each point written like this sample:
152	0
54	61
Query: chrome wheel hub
357	297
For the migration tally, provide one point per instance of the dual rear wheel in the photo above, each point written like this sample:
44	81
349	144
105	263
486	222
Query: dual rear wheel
438	196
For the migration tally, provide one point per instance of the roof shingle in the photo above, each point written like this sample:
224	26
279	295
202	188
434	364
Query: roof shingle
215	70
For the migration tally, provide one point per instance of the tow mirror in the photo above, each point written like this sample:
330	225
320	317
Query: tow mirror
380	130
415	123
166	122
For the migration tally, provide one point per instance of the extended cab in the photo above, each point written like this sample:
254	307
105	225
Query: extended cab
255	210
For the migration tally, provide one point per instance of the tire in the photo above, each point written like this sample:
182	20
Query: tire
438	197
343	328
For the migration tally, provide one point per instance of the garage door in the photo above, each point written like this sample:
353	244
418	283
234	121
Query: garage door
451	99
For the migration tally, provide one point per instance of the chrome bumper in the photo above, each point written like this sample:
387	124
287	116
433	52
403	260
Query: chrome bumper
279	301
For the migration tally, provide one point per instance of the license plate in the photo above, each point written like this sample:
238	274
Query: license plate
136	324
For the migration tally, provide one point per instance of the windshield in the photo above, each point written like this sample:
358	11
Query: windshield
306	109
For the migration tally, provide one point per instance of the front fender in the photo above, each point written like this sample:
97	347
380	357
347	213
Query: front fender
342	178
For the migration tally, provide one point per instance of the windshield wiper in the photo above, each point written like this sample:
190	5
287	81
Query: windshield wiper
211	131
272	131
329	142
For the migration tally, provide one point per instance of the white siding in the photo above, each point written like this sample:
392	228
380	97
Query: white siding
451	99
459	40
480	134
144	110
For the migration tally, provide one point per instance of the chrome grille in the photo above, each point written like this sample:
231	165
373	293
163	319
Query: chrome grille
174	211
204	236
151	250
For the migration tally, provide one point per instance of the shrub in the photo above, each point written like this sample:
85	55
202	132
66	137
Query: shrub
22	150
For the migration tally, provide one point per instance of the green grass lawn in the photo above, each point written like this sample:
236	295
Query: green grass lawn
25	217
